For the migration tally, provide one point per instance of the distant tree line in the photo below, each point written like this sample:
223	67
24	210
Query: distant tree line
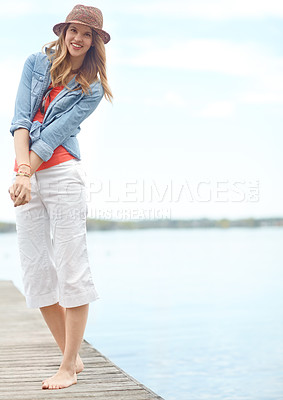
104	224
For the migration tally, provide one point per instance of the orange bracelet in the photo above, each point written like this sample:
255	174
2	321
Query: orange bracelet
24	172
24	164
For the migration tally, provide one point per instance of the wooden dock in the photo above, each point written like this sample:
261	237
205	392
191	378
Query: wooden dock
28	354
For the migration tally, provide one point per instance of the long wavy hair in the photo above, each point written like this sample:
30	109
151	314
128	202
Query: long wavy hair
94	64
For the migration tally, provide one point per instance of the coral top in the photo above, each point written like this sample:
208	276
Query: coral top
60	154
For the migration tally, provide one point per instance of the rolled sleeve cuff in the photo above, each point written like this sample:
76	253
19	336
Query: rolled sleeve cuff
42	149
25	123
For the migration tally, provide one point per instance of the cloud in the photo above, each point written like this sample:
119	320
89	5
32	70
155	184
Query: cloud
15	8
223	56
12	69
188	9
262	98
168	99
217	109
175	100
210	10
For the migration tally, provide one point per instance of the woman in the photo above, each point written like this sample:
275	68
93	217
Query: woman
57	91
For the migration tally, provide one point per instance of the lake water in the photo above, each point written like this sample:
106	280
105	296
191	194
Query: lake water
192	314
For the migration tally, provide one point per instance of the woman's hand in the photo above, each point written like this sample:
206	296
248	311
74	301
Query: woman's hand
20	191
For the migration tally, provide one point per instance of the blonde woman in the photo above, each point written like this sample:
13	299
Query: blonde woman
59	89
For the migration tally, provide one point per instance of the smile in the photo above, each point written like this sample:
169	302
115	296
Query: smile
76	46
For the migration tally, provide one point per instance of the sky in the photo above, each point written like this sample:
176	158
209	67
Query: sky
195	128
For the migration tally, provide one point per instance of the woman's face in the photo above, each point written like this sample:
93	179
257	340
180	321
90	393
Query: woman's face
78	40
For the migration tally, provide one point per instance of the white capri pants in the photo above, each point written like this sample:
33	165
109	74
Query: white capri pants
51	231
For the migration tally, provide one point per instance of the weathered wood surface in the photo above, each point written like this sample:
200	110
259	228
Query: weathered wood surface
28	354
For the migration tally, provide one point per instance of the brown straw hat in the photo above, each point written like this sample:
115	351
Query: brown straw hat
85	15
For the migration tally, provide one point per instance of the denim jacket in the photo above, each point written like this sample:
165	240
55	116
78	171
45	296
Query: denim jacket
64	115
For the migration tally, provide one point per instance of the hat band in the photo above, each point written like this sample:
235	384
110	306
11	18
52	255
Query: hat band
78	21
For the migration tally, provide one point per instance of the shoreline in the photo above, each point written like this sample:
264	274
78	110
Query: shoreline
223	223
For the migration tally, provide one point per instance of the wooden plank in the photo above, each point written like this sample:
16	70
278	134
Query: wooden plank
28	354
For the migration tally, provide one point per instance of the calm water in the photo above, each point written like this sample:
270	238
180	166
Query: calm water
192	314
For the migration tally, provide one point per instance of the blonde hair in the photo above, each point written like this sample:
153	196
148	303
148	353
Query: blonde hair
94	64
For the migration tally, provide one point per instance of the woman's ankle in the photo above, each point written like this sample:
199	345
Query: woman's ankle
68	366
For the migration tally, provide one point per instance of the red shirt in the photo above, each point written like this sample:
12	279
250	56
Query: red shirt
60	154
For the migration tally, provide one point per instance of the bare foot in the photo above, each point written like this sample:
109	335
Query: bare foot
79	368
79	364
60	380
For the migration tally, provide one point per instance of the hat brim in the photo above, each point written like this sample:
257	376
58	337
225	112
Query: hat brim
57	29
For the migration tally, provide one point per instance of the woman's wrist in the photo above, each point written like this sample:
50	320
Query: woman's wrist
21	173
24	165
24	168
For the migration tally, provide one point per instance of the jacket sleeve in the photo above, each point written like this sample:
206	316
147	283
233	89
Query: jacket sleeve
64	126
22	114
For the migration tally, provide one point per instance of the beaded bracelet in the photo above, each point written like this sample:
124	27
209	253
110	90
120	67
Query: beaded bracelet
24	164
23	174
